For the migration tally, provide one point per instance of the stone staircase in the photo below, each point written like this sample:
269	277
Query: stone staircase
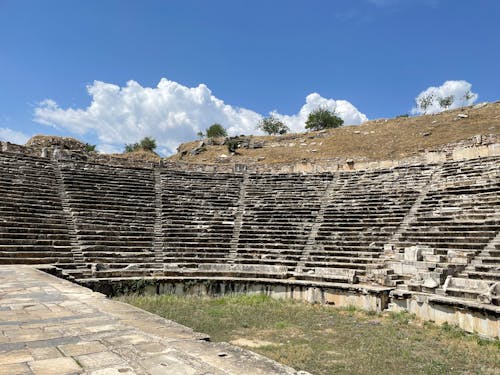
114	213
238	217
280	211
159	238
451	227
198	220
78	265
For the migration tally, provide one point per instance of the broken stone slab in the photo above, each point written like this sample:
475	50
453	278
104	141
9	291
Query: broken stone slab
430	283
460	257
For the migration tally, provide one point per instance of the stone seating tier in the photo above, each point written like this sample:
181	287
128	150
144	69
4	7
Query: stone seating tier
32	226
97	221
113	211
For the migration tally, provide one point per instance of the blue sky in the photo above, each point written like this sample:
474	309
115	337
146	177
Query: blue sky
364	58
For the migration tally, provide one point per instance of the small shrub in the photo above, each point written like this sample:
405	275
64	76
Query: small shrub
131	147
89	147
232	145
216	130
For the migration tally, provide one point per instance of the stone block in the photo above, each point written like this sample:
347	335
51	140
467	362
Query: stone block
427	251
413	253
389	248
98	360
72	350
45	352
15	356
61	366
408	268
435	258
15	369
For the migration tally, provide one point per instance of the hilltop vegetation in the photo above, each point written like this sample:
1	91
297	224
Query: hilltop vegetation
382	139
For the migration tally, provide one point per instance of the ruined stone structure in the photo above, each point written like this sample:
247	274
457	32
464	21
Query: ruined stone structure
420	237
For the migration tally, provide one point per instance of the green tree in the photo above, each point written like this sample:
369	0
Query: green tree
216	130
146	144
425	102
131	147
322	118
271	125
446	102
468	95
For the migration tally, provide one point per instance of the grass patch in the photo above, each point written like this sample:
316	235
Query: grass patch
323	340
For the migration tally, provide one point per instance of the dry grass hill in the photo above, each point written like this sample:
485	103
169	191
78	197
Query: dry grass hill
382	139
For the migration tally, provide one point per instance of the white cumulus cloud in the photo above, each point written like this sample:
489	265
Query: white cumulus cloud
170	112
13	136
427	102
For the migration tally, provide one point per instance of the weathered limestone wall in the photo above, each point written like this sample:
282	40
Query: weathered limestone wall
362	297
480	321
426	307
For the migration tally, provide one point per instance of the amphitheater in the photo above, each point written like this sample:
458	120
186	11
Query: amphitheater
420	236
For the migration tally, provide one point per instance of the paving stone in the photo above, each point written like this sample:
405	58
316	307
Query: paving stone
72	350
114	339
15	369
59	366
98	360
170	364
148	349
15	356
120	370
45	353
128	339
103	328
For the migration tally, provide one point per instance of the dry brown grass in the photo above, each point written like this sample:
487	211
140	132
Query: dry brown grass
383	139
138	155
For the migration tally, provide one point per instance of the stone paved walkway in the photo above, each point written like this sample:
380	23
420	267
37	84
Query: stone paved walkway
51	326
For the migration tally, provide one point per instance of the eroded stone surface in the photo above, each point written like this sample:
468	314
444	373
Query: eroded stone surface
51	326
